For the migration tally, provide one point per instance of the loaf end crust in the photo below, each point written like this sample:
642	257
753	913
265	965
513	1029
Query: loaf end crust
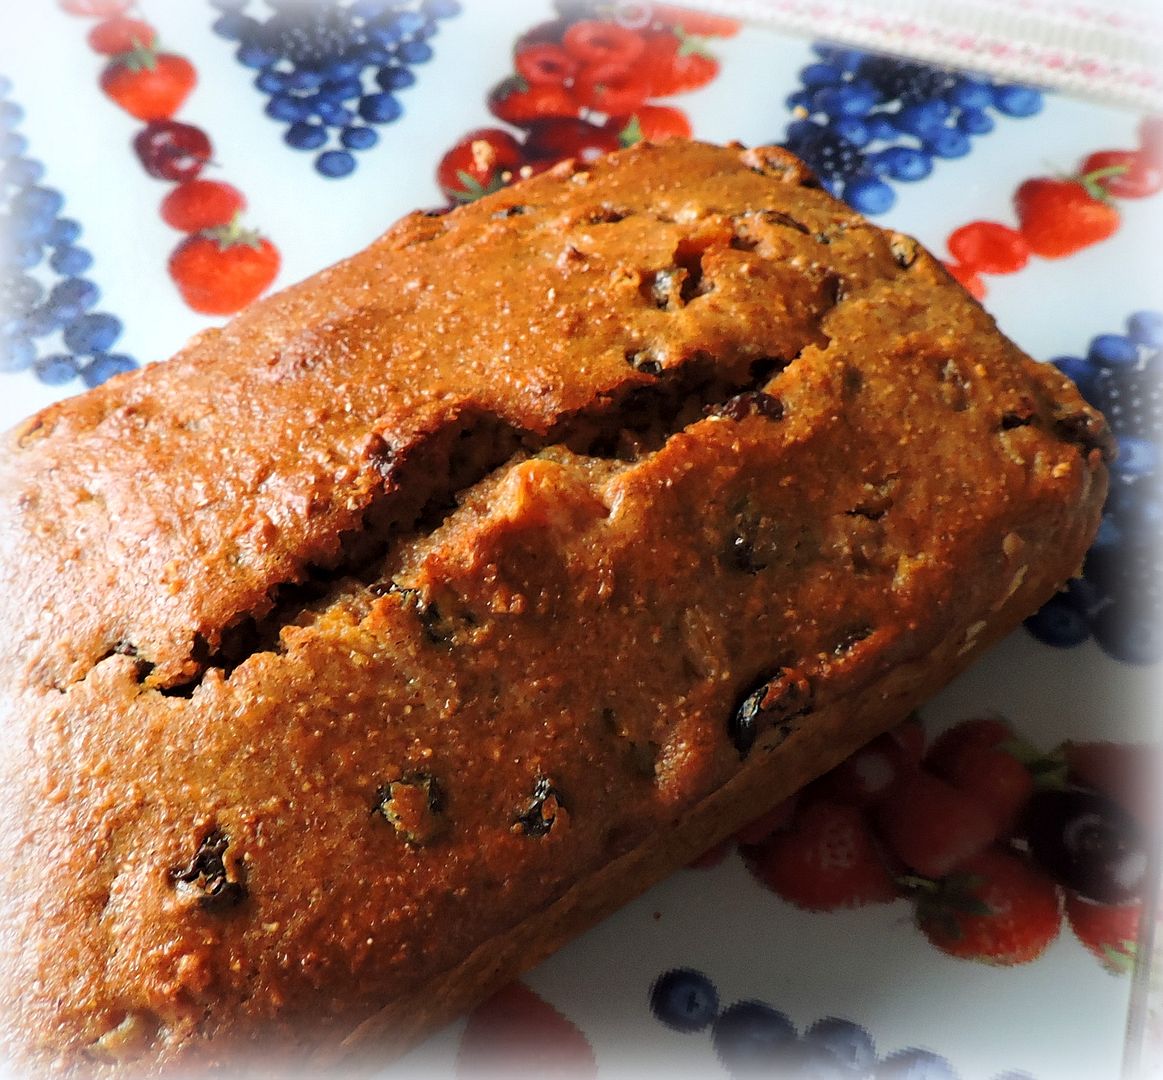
382	641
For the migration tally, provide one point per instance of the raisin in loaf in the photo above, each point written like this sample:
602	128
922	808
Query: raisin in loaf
383	640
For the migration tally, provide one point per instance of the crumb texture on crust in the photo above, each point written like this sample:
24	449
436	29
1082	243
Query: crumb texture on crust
367	627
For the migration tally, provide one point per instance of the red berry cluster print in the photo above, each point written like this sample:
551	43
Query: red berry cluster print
583	85
219	266
1058	216
992	841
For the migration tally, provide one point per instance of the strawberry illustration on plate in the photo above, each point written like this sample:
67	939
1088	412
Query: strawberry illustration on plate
651	122
1110	931
521	103
517	1033
219	271
996	908
121	35
202	204
96	8
932	826
148	84
696	22
979	732
610	88
983	758
481	162
1127	174
869	775
987	247
826	859
557	139
1061	216
674	62
968	278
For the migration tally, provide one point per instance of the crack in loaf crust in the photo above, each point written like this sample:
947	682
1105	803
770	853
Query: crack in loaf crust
376	643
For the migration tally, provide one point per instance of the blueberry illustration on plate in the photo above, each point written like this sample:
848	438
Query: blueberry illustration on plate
326	65
1121	604
861	119
684	999
44	290
753	1039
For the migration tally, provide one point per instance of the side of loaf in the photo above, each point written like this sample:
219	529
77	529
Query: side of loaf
381	641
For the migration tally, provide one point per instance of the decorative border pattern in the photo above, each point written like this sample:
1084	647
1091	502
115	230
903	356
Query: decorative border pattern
1086	49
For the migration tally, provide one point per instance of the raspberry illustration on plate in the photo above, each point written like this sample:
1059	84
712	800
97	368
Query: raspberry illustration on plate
675	62
332	69
653	122
587	82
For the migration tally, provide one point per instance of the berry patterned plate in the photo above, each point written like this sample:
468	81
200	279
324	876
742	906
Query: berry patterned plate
971	895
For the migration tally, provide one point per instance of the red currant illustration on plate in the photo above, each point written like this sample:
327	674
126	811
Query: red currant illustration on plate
585	85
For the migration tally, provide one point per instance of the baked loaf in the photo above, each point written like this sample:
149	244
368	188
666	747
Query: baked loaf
383	640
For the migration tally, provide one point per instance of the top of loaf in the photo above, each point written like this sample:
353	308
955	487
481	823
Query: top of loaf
535	312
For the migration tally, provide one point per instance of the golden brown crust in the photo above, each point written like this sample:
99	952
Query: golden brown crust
299	748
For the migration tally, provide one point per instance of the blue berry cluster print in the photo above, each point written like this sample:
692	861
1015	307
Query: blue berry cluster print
331	69
49	324
1119	598
753	1039
864	119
